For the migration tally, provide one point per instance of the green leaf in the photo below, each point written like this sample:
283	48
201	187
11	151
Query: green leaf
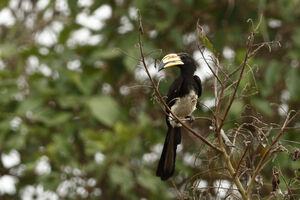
94	141
205	40
29	104
59	118
69	101
15	141
105	109
77	80
64	34
50	117
73	6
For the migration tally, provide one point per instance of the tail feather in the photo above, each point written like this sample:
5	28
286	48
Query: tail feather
166	163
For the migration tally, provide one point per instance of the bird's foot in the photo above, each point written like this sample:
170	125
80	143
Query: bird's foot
174	122
178	124
190	118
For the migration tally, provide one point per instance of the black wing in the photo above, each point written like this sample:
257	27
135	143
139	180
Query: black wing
174	91
198	85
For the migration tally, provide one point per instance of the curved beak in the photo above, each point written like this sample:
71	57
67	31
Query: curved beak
170	60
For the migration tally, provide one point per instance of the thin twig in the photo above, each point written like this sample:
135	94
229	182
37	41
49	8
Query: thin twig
176	189
259	166
219	126
158	94
226	139
287	185
239	80
205	60
240	162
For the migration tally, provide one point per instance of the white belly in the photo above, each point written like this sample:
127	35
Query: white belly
183	106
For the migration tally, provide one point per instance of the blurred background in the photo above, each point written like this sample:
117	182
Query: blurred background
78	119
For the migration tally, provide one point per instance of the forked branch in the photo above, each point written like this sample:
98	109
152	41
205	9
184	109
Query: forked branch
220	87
269	148
158	93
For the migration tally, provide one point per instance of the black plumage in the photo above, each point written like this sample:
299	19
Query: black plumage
182	100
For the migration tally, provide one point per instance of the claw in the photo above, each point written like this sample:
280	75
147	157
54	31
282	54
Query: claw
190	118
174	122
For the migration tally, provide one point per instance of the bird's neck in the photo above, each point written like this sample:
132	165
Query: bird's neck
187	74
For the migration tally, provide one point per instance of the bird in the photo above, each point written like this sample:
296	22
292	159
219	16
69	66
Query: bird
182	99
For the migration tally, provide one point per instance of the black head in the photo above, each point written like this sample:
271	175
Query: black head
184	61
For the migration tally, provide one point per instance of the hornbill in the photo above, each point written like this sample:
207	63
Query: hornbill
182	99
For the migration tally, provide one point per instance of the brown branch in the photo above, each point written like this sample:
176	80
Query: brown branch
219	100
230	168
240	161
228	143
239	80
226	157
205	60
290	193
236	70
259	166
206	172
176	189
157	91
232	173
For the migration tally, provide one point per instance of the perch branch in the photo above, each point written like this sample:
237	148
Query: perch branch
158	94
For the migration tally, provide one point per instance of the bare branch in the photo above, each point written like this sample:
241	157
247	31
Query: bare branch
259	166
239	80
221	84
226	139
290	193
212	71
157	91
240	162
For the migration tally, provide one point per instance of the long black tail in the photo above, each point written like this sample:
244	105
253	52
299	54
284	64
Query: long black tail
166	163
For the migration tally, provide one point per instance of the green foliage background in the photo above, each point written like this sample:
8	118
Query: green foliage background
96	124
